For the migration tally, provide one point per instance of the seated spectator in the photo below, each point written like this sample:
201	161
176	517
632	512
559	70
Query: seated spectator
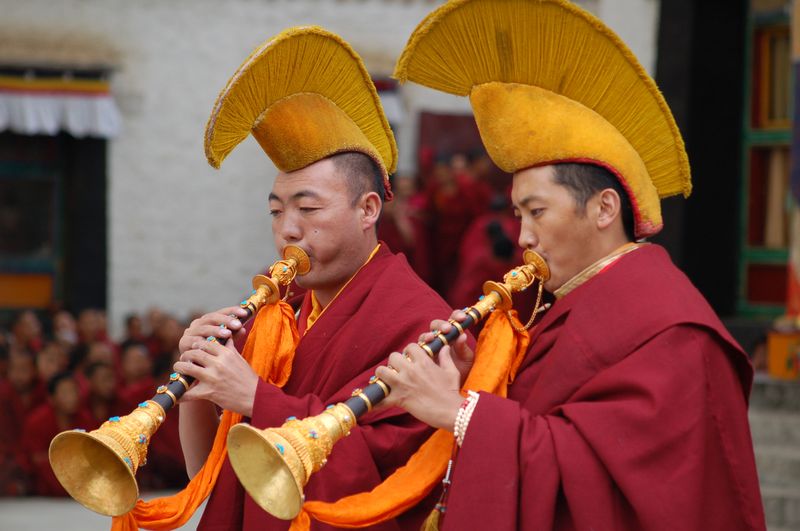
61	412
137	380
100	352
404	225
50	360
90	327
103	401
26	332
134	329
65	329
167	336
19	395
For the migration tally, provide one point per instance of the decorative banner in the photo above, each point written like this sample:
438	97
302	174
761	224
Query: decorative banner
31	105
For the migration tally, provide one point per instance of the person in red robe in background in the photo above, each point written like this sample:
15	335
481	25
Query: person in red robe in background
65	330
403	225
50	360
102	400
19	395
137	373
26	332
629	409
362	301
487	252
61	412
452	204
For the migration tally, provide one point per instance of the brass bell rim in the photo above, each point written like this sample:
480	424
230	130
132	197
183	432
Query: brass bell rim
68	438
291	492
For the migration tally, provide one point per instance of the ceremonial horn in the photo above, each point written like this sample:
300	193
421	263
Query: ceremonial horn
98	468
275	464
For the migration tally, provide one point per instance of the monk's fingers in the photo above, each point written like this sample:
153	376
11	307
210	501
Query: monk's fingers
416	354
197	357
398	361
446	360
225	315
387	374
440	325
220	324
188	368
461	350
217	348
426	337
219	331
459	315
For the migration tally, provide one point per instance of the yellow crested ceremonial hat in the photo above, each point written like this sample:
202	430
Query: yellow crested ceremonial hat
550	83
304	95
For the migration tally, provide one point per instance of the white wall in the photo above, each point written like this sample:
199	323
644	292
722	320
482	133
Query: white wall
182	235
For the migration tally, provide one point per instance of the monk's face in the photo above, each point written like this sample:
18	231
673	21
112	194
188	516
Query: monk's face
65	397
102	383
553	224
313	209
21	371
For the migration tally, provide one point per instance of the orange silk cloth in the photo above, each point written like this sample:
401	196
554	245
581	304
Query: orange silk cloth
498	355
270	350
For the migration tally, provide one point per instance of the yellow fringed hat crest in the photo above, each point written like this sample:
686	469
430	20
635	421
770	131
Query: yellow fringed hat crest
304	95
549	83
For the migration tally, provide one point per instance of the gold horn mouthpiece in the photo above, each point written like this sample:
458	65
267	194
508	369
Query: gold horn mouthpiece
275	464
98	468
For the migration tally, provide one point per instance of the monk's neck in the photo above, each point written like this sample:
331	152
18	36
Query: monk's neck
592	270
326	294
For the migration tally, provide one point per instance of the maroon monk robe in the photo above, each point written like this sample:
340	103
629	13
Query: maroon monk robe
628	412
383	308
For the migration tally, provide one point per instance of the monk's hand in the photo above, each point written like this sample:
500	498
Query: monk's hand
427	390
222	376
461	354
222	324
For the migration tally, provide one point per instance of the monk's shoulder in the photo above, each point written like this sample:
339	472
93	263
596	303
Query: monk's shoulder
398	285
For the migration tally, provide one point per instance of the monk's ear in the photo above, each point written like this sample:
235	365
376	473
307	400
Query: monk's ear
370	209
608	208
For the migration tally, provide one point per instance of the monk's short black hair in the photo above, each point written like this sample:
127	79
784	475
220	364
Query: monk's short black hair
362	173
57	378
584	181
